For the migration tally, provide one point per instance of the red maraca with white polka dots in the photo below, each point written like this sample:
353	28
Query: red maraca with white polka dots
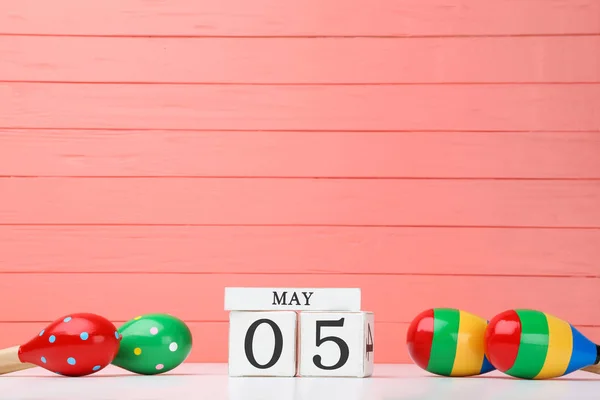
73	345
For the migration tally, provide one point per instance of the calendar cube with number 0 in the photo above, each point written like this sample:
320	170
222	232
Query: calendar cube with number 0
262	343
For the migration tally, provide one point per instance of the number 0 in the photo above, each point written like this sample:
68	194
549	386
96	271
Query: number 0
344	350
249	339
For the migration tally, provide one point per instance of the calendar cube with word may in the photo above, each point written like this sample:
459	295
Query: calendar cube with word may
299	332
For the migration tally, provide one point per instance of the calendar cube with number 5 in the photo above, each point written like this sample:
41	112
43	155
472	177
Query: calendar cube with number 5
336	344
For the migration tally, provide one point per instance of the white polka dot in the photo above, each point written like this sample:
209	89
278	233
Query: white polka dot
173	346
154	330
159	367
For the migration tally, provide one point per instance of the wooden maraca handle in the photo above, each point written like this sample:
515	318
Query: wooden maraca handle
592	368
9	361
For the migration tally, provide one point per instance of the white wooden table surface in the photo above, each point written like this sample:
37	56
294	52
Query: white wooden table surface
210	382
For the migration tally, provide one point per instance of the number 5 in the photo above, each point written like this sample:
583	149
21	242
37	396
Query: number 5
344	350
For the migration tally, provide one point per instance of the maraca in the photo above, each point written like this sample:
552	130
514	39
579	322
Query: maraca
153	344
531	344
448	342
73	345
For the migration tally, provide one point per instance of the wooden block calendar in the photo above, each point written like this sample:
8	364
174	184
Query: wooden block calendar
299	332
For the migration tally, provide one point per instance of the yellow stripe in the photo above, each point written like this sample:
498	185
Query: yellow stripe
560	347
469	347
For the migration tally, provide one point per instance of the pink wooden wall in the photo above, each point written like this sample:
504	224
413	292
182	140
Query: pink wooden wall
431	152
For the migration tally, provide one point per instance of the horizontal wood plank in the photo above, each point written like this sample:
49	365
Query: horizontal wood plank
210	339
309	17
188	60
300	250
239	201
200	297
286	154
289	107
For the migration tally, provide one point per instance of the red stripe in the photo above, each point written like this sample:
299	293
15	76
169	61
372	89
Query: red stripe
502	339
420	337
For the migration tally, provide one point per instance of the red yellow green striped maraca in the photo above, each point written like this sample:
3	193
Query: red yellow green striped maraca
448	342
532	344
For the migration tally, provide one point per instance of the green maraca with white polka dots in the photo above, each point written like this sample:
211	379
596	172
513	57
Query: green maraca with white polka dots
153	344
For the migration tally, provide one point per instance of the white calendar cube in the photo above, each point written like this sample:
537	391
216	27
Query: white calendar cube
262	343
336	344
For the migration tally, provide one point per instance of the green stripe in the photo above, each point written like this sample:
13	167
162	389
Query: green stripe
443	348
534	344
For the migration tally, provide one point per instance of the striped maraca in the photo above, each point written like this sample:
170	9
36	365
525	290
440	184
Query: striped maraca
448	342
532	344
